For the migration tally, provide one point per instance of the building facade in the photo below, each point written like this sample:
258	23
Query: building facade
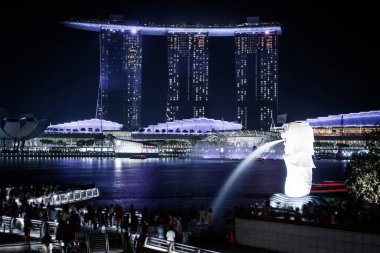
119	96
188	76
256	66
340	136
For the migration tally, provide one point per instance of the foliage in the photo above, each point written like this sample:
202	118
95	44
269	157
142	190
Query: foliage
99	137
178	143
86	143
81	143
363	172
51	142
47	142
110	137
342	145
320	144
61	143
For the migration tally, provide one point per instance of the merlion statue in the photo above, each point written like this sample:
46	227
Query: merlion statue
299	163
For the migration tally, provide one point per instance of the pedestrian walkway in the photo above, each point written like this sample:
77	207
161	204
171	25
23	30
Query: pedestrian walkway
15	243
11	240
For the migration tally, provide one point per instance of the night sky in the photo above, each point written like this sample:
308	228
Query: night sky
327	56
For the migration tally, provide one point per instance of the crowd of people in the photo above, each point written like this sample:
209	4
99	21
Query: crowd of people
165	224
171	225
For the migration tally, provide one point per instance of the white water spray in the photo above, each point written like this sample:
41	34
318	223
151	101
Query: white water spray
239	169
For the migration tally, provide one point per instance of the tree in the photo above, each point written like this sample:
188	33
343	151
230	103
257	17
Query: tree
47	142
61	143
363	172
98	140
81	143
110	137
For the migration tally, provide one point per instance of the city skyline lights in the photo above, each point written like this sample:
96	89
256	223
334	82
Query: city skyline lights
121	57
48	69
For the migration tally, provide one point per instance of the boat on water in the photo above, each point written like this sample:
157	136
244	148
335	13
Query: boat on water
142	157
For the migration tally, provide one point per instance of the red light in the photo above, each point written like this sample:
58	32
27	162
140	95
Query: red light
328	184
325	191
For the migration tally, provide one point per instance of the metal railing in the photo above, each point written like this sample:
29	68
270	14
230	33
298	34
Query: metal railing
166	246
38	228
96	242
23	247
58	199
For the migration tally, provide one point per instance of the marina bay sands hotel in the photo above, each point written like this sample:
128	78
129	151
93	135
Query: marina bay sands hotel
256	70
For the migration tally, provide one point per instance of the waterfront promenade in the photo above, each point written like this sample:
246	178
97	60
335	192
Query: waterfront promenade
107	229
166	184
208	242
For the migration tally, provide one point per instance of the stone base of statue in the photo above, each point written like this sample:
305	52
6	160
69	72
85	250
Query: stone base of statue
280	200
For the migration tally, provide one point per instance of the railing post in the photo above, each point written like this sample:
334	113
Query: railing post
107	242
29	247
41	227
87	244
125	241
11	225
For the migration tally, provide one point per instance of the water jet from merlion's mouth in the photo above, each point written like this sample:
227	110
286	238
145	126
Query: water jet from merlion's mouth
238	170
299	139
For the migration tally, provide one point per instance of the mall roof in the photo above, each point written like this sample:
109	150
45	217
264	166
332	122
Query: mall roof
84	126
360	119
195	125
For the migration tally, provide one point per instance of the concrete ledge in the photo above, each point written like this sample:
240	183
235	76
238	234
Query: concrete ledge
285	237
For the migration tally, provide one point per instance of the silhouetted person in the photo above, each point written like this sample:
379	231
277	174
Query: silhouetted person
193	218
27	228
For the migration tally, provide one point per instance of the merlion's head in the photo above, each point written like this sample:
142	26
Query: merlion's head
298	137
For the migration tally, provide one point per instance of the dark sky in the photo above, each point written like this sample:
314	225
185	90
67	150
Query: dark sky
327	56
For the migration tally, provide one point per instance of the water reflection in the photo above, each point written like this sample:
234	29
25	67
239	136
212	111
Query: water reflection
168	183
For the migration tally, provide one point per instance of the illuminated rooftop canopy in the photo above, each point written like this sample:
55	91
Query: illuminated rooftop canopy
191	126
216	31
360	119
84	126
